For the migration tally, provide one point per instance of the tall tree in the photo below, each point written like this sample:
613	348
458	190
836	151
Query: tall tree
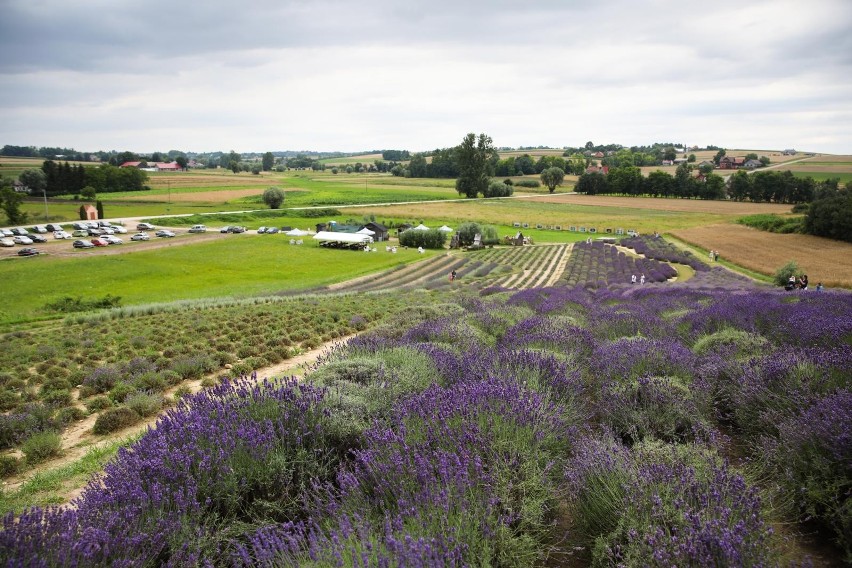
551	177
11	203
475	156
34	180
268	161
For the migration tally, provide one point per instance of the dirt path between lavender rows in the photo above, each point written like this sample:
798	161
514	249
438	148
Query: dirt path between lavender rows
78	438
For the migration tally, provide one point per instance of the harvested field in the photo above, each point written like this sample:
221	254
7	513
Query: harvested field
823	260
660	204
210	196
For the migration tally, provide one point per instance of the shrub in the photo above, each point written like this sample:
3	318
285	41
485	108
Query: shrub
782	275
56	384
467	232
57	398
41	446
8	400
9	465
120	392
528	183
181	392
101	380
99	403
144	404
498	189
115	419
70	414
431	239
151	381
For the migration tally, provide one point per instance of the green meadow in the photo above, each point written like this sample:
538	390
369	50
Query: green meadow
238	266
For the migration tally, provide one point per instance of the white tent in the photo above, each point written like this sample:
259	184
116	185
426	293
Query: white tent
421	227
296	233
366	231
445	229
346	238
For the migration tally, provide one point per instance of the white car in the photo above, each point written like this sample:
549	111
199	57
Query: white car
6	242
198	229
19	240
140	237
61	235
40	229
112	240
118	229
107	231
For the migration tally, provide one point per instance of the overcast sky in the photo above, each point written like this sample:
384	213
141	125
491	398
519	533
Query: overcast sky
388	74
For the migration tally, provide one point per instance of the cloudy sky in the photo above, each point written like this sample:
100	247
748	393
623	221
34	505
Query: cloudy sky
379	74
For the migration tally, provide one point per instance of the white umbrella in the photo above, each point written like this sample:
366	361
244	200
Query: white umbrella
366	231
421	227
296	233
445	229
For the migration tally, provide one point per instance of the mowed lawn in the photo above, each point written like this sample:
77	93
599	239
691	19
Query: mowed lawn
225	267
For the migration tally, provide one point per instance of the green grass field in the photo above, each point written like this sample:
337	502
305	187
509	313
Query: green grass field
244	265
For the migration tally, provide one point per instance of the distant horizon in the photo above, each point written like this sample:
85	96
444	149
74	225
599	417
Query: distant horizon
376	151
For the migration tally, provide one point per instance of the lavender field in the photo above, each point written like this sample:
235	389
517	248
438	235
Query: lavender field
705	424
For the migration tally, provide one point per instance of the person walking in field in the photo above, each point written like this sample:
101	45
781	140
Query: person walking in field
452	275
642	279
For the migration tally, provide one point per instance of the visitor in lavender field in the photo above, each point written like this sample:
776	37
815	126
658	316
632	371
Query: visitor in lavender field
819	287
803	282
642	280
633	279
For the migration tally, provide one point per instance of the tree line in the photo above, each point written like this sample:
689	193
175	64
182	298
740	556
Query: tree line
759	187
75	179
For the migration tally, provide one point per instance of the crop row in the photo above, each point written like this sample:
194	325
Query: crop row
601	264
513	429
126	358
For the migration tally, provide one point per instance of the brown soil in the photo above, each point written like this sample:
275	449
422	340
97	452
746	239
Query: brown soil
660	204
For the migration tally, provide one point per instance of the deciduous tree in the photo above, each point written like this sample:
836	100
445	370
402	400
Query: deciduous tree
273	197
268	161
551	177
475	159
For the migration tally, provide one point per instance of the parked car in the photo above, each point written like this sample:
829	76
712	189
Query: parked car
261	230
99	242
6	242
80	225
107	231
113	240
82	243
20	231
271	230
61	234
225	229
38	238
164	233
55	227
6	233
140	237
94	232
41	229
144	227
236	229
80	233
198	229
118	229
28	251
19	240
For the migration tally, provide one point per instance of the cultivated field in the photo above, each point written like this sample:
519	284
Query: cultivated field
823	260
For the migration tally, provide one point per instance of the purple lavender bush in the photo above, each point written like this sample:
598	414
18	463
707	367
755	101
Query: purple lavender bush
664	505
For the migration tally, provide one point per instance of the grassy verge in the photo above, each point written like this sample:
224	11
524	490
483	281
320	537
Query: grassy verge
51	487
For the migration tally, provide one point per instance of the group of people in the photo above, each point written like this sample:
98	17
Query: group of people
633	279
800	283
714	255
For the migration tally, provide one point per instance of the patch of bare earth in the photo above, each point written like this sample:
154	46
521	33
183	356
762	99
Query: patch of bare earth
661	204
78	438
823	260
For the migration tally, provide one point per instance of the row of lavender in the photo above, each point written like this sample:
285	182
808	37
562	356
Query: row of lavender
601	264
512	429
